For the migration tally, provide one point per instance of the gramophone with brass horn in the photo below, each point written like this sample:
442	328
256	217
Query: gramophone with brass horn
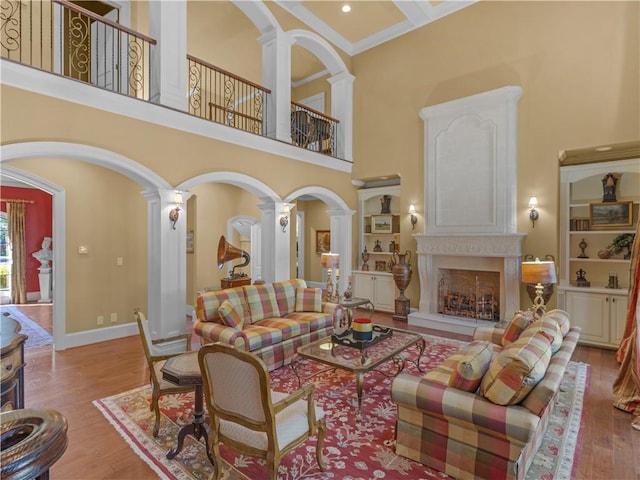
227	252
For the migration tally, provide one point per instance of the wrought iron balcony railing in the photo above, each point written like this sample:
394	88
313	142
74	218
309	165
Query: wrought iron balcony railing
222	97
63	38
313	130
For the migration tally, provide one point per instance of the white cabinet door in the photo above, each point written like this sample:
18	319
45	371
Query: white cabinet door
363	285
591	312
385	290
377	287
618	309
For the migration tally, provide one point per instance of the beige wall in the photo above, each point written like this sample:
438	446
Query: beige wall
106	213
577	63
176	156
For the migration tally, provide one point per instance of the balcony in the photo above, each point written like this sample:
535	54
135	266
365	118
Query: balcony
64	39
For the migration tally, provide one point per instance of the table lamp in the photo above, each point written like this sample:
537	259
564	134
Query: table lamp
331	261
538	273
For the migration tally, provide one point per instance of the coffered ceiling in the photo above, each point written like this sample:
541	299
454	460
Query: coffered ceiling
369	23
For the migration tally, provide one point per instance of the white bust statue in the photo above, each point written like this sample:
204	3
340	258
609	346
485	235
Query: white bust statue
44	255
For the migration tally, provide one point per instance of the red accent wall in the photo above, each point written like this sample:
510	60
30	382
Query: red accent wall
39	224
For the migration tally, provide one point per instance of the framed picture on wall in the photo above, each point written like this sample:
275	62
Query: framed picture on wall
611	214
323	241
381	223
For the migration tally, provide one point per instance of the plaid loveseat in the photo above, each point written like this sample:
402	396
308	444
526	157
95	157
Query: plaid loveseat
462	433
271	320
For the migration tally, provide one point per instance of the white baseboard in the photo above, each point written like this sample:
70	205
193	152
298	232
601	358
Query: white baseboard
99	335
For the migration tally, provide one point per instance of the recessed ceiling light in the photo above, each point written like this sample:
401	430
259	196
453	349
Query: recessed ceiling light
603	149
346	8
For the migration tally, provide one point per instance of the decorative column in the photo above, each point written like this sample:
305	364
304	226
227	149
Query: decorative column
168	26
276	251
167	272
342	108
276	76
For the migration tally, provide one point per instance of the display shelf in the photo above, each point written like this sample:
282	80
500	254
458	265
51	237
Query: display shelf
596	308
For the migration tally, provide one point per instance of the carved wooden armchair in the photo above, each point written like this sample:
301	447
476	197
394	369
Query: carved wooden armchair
155	361
250	418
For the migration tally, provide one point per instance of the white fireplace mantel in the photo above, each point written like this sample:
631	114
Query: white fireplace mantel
470	182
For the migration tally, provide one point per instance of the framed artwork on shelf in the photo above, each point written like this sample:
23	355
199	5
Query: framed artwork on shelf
323	241
381	223
381	266
611	214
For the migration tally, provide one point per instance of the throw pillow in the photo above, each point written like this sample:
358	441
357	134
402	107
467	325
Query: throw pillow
229	315
562	318
262	301
516	370
516	326
550	327
308	299
473	364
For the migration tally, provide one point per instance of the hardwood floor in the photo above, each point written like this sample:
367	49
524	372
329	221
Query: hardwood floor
68	381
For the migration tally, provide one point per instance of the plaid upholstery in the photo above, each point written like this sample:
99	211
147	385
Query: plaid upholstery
229	315
474	360
516	326
308	300
262	301
490	334
539	399
211	332
208	303
259	336
562	318
286	294
548	326
466	436
276	338
517	369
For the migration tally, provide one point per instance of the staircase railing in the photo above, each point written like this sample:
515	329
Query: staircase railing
60	37
223	97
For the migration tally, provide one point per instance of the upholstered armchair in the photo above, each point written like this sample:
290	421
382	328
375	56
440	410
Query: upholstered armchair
155	361
250	418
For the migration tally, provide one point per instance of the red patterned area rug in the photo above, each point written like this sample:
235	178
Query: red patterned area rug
352	450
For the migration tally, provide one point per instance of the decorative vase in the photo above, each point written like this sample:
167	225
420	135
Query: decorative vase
378	246
401	271
348	293
365	259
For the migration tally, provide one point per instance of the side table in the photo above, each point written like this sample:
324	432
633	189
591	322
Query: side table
184	370
352	303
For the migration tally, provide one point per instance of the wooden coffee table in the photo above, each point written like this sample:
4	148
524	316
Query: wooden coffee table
359	358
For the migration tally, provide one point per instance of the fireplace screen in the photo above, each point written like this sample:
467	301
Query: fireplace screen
469	293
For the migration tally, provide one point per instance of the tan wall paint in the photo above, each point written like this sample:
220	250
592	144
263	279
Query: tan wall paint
105	212
578	65
577	62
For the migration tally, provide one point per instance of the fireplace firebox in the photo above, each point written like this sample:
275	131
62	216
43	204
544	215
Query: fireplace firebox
469	294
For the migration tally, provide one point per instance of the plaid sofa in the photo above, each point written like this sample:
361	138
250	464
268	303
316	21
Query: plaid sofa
463	434
272	320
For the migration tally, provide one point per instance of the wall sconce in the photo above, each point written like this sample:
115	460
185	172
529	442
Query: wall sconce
533	213
412	213
174	214
284	218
